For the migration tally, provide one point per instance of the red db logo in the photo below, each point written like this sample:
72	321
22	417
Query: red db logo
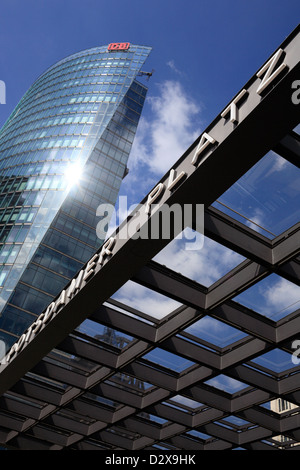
118	46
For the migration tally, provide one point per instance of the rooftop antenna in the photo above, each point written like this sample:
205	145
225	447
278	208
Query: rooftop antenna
148	74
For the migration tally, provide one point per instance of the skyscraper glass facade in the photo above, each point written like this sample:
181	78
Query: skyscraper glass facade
63	152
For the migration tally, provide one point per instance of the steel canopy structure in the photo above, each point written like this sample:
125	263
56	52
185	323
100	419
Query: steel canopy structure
62	388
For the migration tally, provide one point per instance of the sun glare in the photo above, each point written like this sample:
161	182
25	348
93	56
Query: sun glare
73	174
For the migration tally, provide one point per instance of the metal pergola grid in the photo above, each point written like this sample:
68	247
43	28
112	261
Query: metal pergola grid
86	394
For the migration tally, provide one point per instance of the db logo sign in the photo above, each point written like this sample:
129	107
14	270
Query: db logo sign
118	46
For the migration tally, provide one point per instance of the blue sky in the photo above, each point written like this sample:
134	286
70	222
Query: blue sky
204	51
211	47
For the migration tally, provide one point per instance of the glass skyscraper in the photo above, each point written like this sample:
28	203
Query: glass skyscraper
63	152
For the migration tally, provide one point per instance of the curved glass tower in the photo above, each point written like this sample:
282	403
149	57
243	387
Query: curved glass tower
63	152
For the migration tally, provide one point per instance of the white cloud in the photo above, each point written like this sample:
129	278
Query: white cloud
274	163
161	140
171	64
186	401
145	300
282	296
256	221
279	163
204	265
225	383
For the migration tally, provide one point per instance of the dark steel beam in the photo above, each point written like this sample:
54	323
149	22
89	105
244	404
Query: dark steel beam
289	148
225	156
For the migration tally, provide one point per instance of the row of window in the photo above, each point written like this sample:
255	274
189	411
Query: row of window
83	77
58	131
27	214
26	198
14	320
121	130
136	93
70	247
86	56
60	95
138	89
18	215
39	168
24	112
14	233
33	95
12	184
93	200
44	182
51	175
40	144
31	145
53	107
102	193
39	125
76	72
20	146
50	259
57	181
72	79
55	261
64	124
44	280
76	229
9	253
78	211
102	172
55	111
38	156
4	271
101	177
30	299
95	83
90	60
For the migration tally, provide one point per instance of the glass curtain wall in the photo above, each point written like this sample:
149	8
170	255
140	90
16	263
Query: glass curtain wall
63	152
